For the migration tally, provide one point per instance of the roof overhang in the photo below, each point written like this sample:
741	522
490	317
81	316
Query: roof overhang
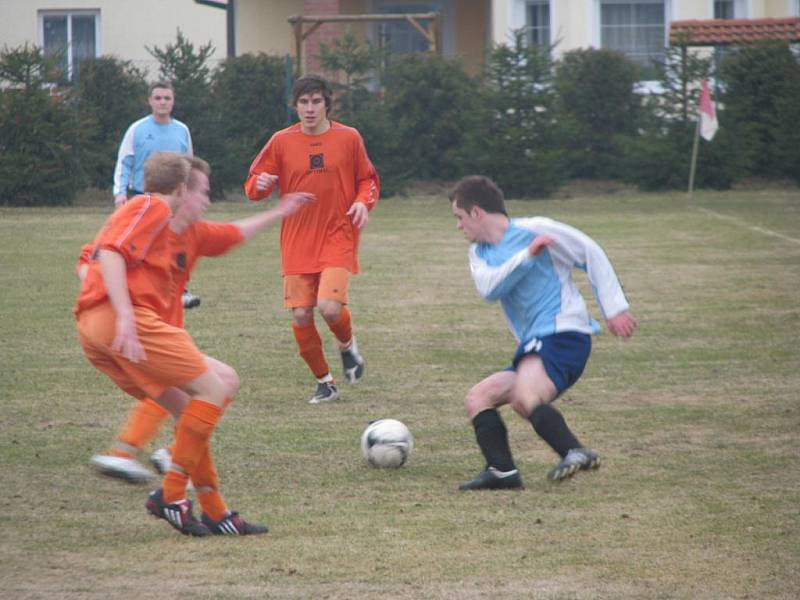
720	32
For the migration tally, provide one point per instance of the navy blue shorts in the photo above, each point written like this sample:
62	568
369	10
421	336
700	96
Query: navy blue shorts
564	356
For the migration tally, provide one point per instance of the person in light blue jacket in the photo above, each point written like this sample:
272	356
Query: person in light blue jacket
526	265
157	132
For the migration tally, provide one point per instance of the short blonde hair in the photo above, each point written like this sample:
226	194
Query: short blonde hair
165	171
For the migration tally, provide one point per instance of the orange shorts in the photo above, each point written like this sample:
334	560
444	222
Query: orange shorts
307	289
172	357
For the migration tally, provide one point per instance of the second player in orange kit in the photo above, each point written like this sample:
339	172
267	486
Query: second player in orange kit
319	244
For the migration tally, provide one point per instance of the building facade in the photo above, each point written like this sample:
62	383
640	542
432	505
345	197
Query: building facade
467	28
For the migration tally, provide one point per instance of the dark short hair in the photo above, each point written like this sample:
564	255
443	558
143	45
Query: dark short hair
160	84
311	84
477	190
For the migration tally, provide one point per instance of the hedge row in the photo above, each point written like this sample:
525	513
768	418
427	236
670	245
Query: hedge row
527	121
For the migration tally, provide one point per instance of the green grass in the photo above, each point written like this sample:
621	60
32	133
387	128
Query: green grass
696	417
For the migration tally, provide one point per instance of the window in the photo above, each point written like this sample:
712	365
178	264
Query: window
636	28
723	9
400	37
539	23
72	35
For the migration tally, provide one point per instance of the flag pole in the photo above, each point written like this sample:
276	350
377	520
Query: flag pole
693	166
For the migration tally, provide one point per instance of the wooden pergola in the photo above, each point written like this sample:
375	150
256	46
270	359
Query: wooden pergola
431	33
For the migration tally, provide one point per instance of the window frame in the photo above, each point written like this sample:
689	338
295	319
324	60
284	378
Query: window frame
598	18
529	28
43	14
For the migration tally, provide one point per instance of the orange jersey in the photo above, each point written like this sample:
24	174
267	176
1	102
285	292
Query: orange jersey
138	232
335	168
203	238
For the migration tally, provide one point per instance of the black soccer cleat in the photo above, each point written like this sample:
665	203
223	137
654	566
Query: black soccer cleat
576	459
492	479
352	363
233	524
178	514
326	392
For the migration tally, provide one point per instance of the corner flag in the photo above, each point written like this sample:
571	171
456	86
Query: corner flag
708	115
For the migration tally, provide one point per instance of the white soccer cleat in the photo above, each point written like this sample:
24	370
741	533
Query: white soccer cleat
128	469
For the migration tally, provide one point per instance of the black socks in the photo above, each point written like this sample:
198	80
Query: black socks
492	436
552	428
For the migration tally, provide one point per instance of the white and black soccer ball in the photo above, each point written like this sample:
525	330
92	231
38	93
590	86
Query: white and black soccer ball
386	443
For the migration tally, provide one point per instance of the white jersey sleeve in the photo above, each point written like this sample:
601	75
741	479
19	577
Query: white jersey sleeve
125	161
493	282
577	250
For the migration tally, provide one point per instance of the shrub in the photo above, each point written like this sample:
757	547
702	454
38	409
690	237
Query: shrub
761	91
112	92
250	99
661	159
597	109
513	140
429	102
40	134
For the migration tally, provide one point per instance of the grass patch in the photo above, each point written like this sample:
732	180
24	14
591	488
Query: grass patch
696	418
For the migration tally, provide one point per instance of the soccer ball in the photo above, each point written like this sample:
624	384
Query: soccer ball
386	443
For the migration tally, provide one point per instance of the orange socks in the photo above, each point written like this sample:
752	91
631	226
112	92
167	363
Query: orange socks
194	430
310	344
343	327
144	423
206	482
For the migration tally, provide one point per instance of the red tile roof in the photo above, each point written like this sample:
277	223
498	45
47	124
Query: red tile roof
713	32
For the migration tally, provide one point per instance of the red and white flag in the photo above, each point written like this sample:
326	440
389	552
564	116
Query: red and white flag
708	114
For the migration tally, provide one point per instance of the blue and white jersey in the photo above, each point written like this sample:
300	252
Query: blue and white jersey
143	138
537	293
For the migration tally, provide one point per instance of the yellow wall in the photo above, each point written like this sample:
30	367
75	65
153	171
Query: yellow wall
262	26
125	26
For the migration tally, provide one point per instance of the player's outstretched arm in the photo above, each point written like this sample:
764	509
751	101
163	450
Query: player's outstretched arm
622	324
126	342
288	205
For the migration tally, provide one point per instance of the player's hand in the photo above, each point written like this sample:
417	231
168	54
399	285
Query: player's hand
538	244
622	324
359	214
264	181
294	201
120	199
126	342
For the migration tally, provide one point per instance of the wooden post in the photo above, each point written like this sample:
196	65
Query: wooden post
693	166
298	47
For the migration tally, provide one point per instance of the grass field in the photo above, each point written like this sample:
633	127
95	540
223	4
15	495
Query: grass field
697	419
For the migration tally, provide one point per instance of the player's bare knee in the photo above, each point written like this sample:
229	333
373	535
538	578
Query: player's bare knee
209	387
524	405
303	316
475	402
330	311
230	379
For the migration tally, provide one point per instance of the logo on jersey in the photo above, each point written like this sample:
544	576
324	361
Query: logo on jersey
180	261
316	161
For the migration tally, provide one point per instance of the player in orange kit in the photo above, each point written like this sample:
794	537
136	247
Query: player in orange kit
192	242
122	311
319	245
